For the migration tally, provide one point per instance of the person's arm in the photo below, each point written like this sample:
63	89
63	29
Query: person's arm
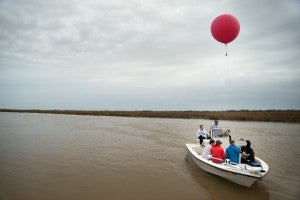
222	130
198	133
227	153
245	155
238	150
206	133
223	154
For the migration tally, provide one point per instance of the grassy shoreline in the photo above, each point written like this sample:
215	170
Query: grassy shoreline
236	115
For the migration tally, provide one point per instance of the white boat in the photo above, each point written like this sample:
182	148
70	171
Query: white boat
241	173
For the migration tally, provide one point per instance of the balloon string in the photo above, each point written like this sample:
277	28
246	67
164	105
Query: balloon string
226	49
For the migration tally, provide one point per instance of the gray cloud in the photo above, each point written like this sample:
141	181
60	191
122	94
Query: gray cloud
147	55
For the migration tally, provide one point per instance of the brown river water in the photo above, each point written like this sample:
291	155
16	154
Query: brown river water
47	156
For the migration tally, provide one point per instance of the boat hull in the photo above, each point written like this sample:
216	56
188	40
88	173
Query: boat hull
230	172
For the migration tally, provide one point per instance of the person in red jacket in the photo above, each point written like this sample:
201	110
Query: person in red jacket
217	152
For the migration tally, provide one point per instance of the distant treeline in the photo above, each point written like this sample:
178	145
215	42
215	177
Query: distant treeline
237	115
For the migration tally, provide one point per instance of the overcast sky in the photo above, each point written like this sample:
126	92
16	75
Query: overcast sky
148	55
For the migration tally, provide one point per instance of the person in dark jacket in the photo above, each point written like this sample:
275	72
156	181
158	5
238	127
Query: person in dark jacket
248	155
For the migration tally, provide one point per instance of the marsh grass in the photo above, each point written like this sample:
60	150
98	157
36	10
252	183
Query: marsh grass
236	115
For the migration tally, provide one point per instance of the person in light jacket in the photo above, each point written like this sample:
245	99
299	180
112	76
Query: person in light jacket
202	134
207	150
216	130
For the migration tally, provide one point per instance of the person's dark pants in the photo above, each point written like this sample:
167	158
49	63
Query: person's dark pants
201	139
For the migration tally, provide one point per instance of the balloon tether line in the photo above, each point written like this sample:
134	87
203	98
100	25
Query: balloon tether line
226	49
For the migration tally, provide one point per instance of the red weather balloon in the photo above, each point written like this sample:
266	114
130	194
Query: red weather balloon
225	28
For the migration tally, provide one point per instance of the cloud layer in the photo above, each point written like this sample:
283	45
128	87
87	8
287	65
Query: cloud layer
158	55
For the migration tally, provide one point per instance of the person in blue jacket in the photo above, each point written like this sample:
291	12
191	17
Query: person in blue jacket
233	153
